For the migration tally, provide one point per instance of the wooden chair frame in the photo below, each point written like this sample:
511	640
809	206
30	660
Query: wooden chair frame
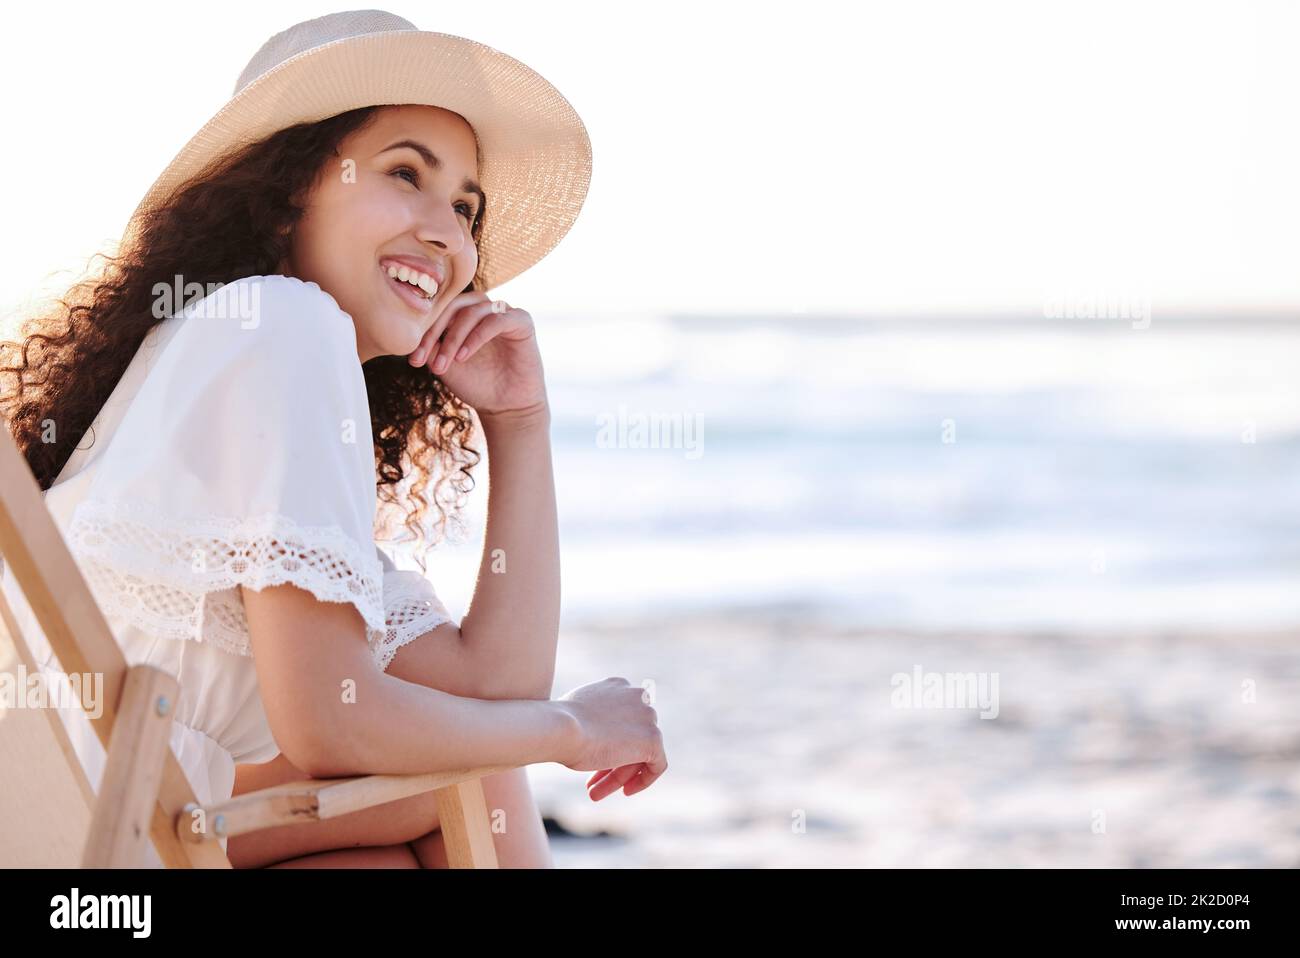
144	794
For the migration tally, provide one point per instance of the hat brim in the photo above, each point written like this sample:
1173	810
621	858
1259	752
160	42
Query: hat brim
535	154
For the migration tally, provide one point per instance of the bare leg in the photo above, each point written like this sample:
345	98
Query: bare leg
394	823
380	834
375	856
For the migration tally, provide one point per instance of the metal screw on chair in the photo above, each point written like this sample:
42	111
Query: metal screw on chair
164	706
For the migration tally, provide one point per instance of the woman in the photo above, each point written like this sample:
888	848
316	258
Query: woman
333	336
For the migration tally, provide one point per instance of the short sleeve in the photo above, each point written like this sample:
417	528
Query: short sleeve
411	608
245	459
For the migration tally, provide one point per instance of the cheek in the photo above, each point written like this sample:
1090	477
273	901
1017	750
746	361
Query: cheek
466	264
374	210
357	217
321	237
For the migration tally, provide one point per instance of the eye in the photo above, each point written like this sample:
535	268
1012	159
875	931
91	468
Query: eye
468	208
415	176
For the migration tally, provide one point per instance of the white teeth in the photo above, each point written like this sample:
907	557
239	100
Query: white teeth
415	278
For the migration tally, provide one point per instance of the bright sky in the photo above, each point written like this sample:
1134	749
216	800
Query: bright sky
779	157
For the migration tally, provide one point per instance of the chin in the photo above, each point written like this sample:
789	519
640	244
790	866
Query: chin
400	336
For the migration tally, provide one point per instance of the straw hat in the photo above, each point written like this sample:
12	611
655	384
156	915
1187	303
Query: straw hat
534	153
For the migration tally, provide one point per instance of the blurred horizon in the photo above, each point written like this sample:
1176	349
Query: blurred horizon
1097	476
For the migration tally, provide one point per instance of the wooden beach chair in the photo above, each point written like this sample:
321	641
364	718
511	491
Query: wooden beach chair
49	814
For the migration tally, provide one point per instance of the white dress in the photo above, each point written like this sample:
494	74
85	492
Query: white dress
235	450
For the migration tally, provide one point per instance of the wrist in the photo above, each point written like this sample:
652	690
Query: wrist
566	732
527	417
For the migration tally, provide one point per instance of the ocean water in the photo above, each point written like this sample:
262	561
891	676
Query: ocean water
912	473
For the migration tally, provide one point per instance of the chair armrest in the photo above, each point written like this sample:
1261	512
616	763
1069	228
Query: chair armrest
311	800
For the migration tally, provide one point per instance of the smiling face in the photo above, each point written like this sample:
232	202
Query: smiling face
379	208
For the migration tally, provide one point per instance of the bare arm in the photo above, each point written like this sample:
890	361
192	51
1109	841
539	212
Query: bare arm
504	648
334	713
511	628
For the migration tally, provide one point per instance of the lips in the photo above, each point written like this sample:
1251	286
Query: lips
411	295
417	264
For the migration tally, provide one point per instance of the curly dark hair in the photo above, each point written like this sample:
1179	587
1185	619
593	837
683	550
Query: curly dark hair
70	359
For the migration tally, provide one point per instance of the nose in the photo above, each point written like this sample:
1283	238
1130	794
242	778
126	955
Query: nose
441	225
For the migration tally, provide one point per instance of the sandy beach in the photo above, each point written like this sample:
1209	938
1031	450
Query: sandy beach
1108	750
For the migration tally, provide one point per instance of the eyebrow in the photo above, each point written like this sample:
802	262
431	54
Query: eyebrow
434	162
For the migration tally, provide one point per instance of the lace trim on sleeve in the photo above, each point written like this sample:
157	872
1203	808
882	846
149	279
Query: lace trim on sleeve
178	578
412	609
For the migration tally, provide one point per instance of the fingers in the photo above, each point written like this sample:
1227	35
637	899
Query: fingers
643	780
633	778
447	337
483	320
429	340
480	334
648	774
615	780
421	352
